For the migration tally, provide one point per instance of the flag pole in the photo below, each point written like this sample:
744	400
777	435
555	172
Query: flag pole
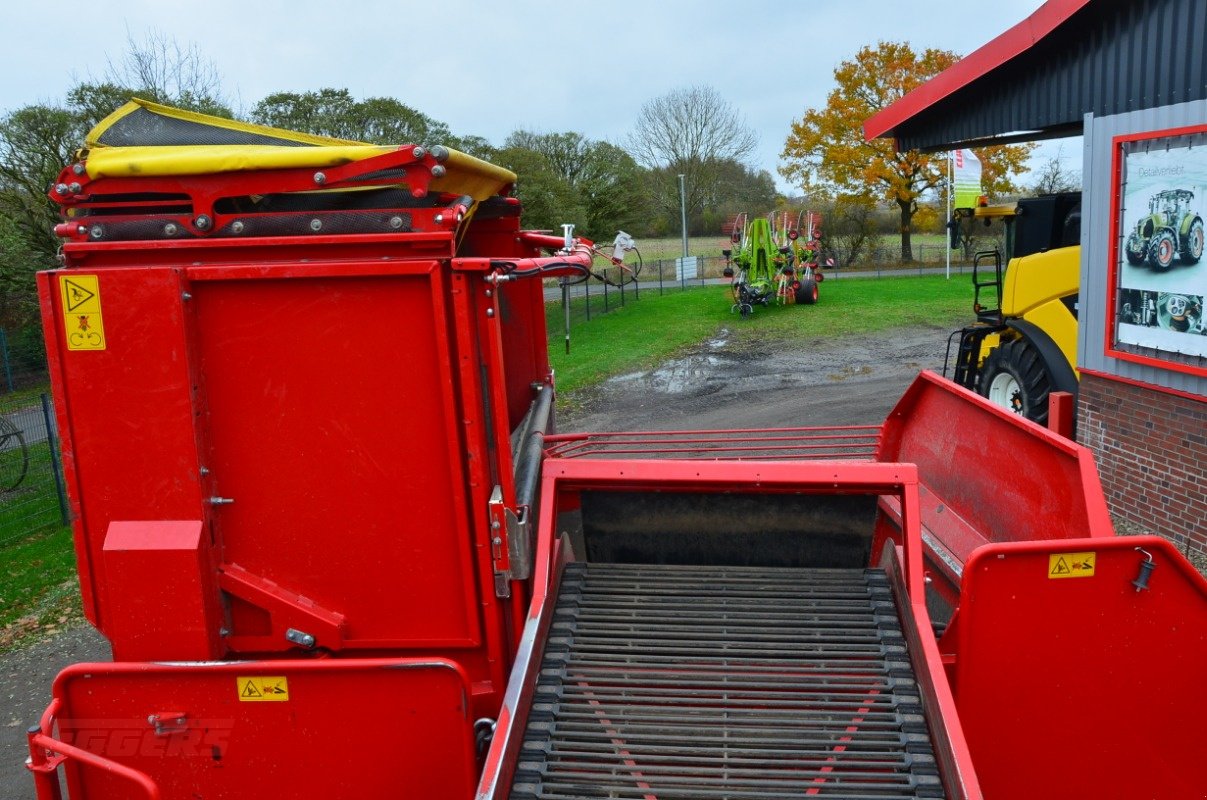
950	188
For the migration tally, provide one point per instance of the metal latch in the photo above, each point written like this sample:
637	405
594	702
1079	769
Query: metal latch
510	543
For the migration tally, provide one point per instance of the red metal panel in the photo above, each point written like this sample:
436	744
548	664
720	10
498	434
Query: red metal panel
160	591
1059	677
125	413
197	730
332	428
1005	478
1061	412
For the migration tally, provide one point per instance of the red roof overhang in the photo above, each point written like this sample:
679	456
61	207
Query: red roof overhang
981	62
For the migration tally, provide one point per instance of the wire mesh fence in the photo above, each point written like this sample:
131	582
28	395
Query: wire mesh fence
32	495
583	300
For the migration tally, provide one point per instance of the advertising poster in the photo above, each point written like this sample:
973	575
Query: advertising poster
1162	277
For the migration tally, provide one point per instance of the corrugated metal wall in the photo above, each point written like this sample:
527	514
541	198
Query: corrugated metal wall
1098	203
1112	57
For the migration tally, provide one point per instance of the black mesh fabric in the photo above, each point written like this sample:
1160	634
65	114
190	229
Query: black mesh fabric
101	229
144	127
326	201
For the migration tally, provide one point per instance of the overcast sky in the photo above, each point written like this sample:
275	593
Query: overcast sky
488	68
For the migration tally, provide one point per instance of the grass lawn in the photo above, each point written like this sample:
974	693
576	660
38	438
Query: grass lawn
23	398
645	332
38	588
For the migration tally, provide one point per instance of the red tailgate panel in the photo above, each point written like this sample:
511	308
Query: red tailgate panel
333	428
346	728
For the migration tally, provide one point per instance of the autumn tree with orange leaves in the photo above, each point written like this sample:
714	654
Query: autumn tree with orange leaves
826	148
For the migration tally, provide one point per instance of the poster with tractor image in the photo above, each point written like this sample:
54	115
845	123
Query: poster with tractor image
1162	280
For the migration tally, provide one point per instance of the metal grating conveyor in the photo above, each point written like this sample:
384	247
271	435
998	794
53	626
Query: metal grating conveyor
722	682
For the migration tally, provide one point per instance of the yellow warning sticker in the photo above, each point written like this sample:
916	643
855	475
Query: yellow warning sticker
263	689
82	312
1071	565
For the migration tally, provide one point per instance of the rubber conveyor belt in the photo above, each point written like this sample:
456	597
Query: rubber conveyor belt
723	682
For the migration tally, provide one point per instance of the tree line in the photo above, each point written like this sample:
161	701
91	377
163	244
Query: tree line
600	186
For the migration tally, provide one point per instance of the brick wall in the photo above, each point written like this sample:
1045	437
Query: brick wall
1151	448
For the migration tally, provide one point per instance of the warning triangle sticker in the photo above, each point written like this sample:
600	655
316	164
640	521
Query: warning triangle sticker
76	295
249	690
1060	568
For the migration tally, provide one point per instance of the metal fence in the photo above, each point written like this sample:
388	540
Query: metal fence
32	495
591	298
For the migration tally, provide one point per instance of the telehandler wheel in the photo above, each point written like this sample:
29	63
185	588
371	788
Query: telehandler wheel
807	293
1162	249
1015	378
1192	246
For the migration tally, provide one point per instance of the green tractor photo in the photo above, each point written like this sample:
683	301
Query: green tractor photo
1169	230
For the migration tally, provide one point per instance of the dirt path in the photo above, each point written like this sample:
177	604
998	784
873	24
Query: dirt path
847	381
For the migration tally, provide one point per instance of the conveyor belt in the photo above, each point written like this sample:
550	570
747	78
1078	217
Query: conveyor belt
722	682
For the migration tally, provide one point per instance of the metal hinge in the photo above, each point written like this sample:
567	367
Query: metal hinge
510	543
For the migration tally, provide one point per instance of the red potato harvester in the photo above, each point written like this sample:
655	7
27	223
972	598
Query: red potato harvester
323	518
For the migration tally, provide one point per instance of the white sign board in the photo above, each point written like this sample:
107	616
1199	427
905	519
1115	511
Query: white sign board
685	268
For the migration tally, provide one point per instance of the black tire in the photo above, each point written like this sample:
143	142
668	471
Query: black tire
1192	245
1016	378
1135	250
807	293
1162	249
14	456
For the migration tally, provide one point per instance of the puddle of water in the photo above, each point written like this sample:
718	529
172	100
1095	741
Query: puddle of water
692	374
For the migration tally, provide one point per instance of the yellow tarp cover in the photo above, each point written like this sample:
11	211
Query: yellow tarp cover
147	139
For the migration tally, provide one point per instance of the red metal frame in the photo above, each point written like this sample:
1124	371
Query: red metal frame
1114	249
564	478
203	191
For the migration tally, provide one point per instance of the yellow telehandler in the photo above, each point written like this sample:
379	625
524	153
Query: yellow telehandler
1023	345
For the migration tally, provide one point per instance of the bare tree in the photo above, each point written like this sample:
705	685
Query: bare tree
1054	178
692	132
169	72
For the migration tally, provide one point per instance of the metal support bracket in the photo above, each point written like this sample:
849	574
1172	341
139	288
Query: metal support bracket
510	543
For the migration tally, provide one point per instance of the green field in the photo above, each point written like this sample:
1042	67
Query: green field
647	331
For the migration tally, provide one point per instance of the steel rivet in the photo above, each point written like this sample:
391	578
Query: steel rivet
170	229
438	171
96	231
186	296
61	188
320	178
490	312
418	152
78	169
202	222
75	188
316	225
395	222
490	293
237	226
439	219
